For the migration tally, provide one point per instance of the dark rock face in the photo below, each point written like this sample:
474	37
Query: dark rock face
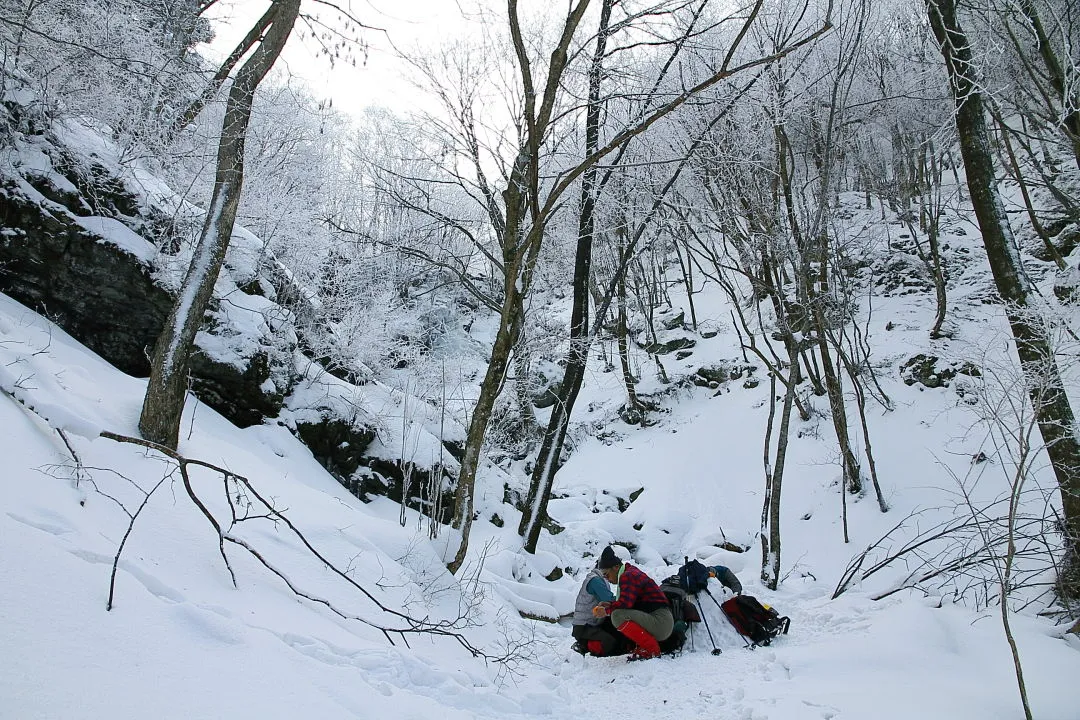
925	370
339	447
670	346
421	487
713	376
236	393
545	386
674	323
1067	287
903	274
547	397
77	246
101	295
100	288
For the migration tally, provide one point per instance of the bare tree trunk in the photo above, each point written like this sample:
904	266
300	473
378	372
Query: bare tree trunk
852	474
578	355
167	388
255	35
687	269
635	409
1051	405
770	544
509	328
520	248
464	496
931	257
940	291
860	398
931	199
1018	175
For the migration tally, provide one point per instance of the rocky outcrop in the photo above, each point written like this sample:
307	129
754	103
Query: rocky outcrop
245	394
713	376
342	447
664	347
339	446
75	246
328	416
102	295
930	371
103	262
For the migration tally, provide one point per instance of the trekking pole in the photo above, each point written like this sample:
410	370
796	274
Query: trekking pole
714	599
701	612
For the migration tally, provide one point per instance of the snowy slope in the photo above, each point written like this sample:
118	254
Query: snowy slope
182	641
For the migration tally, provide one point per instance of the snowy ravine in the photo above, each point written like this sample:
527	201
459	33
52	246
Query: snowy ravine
183	642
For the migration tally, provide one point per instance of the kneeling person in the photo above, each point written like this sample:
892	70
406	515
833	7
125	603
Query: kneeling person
640	610
595	635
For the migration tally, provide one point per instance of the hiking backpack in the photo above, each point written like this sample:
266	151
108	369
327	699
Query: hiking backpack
682	611
754	620
693	576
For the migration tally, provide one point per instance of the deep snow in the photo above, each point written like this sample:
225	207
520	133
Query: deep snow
182	642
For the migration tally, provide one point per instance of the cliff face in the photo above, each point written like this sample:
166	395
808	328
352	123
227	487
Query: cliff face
100	249
82	249
54	261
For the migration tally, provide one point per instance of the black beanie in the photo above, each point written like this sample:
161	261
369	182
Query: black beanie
608	559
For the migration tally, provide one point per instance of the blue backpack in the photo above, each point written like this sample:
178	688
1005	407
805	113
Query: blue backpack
693	576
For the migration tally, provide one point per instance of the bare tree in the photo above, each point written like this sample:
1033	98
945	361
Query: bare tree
1054	413
529	202
547	461
163	405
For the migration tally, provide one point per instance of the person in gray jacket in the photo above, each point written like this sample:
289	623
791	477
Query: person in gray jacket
595	635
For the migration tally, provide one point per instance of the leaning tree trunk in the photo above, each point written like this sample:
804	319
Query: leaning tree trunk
770	541
167	389
578	356
837	409
524	207
464	497
510	321
849	465
1048	398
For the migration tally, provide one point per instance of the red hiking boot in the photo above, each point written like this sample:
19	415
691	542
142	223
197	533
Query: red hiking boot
646	645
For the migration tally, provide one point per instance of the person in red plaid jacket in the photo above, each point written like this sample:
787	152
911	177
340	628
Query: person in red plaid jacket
640	610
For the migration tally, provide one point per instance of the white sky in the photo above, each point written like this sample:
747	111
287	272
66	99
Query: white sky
376	79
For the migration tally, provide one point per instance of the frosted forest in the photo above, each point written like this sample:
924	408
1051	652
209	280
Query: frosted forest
339	341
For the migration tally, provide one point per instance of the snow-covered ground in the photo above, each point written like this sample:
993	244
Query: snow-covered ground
182	642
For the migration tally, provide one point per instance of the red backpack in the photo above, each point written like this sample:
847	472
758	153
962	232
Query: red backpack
754	620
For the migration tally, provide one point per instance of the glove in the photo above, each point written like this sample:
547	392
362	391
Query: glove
600	610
